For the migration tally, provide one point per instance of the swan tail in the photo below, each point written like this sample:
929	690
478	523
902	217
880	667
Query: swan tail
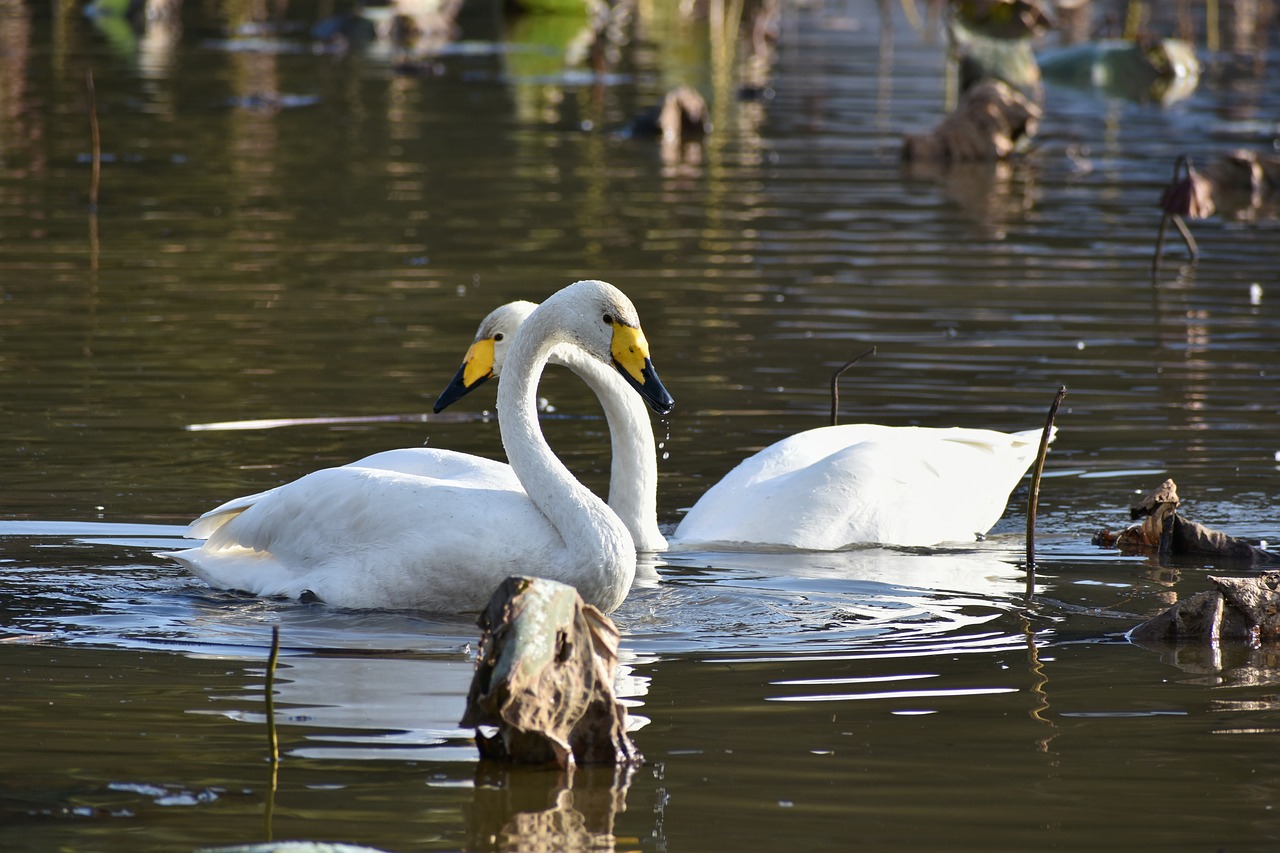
213	520
239	569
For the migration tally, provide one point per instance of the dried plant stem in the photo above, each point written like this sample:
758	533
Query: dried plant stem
97	143
1155	261
835	383
1033	500
1186	235
273	740
1171	213
96	176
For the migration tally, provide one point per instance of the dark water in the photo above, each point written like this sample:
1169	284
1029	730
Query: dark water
330	259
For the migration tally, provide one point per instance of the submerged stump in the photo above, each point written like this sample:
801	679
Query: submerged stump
542	692
1238	609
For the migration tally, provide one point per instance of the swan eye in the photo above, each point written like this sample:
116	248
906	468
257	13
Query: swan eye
498	337
608	319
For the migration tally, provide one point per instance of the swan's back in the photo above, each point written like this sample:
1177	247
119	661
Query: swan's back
473	471
837	486
370	533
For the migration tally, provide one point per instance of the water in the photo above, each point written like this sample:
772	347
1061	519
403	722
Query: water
329	260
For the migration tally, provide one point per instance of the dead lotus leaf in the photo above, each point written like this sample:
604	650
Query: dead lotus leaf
544	679
1191	197
991	122
1167	534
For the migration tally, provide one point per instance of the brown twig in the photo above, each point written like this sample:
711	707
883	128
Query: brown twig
1033	500
273	740
835	384
97	143
1155	261
1181	225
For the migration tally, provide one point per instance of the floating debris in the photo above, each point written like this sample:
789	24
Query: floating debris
991	122
992	40
681	117
1162	70
1242	185
1163	532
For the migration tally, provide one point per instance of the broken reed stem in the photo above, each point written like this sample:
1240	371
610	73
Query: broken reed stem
97	143
1186	236
1033	500
835	384
1179	165
273	741
1155	262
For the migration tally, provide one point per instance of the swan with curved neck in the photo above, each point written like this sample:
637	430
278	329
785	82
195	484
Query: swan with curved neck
633	476
822	489
443	532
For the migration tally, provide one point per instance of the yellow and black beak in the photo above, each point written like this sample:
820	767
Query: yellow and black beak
630	353
477	366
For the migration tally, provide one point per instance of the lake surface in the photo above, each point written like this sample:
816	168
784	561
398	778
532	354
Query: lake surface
289	232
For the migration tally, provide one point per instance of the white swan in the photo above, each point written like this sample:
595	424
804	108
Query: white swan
633	481
823	489
439	530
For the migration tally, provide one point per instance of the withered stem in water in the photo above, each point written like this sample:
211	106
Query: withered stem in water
1033	500
1186	200
97	142
835	384
273	741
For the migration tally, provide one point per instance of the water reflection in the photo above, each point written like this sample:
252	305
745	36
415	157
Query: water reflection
1225	665
993	194
520	808
370	707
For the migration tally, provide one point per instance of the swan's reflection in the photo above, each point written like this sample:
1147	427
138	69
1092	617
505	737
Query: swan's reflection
375	707
718	601
976	571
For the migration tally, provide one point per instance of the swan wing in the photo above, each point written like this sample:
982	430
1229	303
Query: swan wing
369	537
420	461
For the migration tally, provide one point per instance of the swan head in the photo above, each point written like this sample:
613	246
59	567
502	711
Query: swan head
487	352
627	348
599	319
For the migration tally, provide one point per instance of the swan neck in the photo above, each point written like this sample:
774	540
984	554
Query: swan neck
633	475
599	552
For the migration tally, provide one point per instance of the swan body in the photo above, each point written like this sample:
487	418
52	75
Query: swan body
439	530
828	488
823	489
